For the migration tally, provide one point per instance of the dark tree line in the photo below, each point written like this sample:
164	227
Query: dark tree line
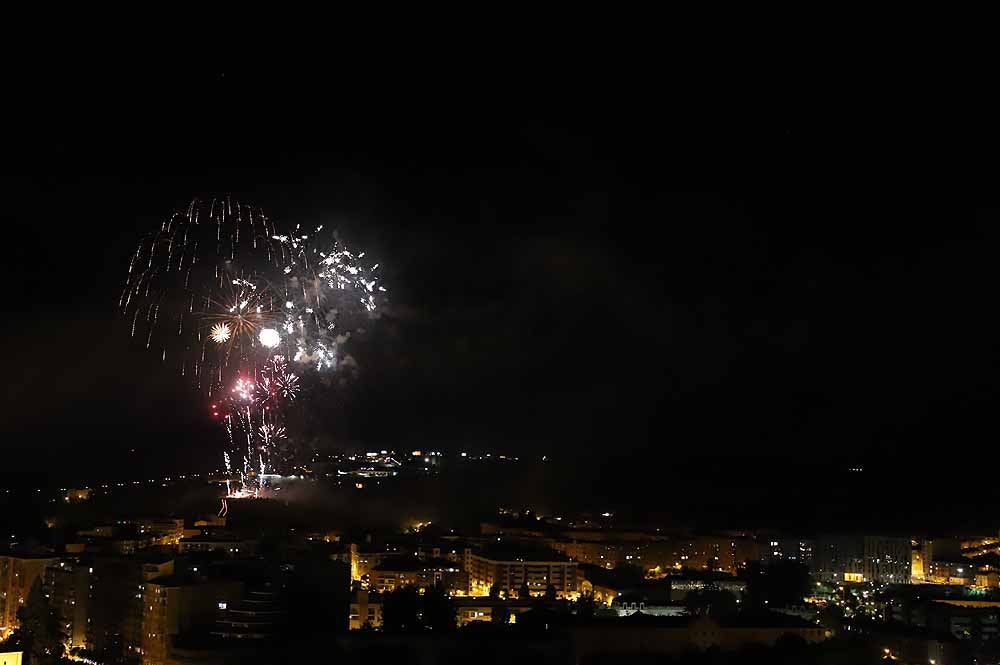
407	610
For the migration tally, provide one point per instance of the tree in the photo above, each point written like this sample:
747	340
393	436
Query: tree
780	584
500	614
438	610
40	631
399	610
586	606
524	593
406	610
831	618
627	575
550	592
494	591
714	602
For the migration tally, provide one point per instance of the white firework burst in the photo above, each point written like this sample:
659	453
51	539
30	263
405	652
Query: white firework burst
221	333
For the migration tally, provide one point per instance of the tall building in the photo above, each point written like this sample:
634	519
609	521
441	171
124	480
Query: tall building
509	570
259	616
423	574
116	593
876	559
67	584
17	574
713	553
596	553
920	560
366	610
163	531
175	604
887	560
225	543
783	548
456	551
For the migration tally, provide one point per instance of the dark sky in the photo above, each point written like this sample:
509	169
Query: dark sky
577	265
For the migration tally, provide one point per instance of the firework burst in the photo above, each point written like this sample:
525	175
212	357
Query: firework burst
221	333
225	297
254	412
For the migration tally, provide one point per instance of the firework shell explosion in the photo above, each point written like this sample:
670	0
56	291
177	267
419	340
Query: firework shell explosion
220	289
224	296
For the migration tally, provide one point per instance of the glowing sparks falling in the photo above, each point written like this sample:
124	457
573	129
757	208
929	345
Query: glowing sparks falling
254	413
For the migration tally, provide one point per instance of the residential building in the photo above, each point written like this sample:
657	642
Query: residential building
989	579
850	558
163	531
17	574
457	552
68	585
773	548
963	618
920	560
231	545
596	553
982	545
887	560
175	604
399	572
368	561
712	553
366	610
961	572
115	613
478	608
258	616
510	569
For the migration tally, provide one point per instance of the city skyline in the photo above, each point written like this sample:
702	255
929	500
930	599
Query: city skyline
581	367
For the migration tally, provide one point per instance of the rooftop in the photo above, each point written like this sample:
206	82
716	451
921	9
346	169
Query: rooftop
177	580
507	552
213	538
413	564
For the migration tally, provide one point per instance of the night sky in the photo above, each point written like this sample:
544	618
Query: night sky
574	270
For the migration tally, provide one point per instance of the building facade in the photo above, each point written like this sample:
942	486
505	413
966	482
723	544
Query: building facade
172	605
17	574
920	559
397	573
115	613
68	585
510	573
887	560
961	572
875	559
366	610
783	548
